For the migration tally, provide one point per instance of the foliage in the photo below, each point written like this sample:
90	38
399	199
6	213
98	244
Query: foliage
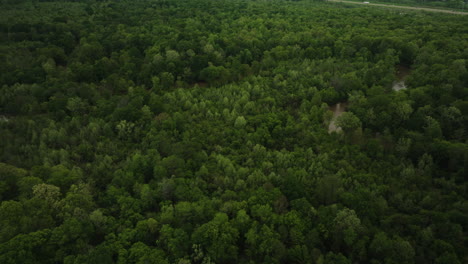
196	131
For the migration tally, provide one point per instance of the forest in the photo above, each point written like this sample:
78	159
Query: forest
202	131
459	5
453	4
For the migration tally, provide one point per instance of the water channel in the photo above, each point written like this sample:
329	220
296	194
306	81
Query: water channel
339	108
402	73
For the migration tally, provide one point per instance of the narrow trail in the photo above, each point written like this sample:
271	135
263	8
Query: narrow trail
403	7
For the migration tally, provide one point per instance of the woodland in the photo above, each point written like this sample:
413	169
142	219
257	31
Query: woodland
451	4
197	131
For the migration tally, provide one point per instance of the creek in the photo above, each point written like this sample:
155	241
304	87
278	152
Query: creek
337	109
402	73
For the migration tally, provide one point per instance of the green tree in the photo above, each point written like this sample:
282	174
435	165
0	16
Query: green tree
219	238
348	122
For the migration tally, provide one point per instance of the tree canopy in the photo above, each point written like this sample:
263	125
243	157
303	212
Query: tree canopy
177	131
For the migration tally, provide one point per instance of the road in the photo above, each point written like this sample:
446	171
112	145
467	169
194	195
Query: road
403	7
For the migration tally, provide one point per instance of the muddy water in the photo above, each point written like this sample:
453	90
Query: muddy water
398	85
337	109
402	73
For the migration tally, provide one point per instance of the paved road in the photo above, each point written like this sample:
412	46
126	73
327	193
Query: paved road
403	7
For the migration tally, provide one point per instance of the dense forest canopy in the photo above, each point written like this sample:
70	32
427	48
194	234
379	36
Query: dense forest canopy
196	131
